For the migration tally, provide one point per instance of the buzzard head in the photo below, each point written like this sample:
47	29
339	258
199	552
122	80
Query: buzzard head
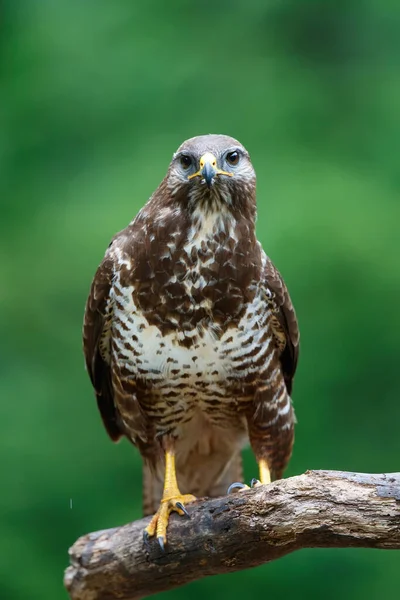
212	172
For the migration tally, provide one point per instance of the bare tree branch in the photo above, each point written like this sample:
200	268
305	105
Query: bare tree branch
320	509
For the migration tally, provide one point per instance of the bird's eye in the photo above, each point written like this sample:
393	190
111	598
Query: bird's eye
186	161
233	157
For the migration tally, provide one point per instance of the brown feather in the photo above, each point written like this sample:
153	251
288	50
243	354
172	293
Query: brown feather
96	321
287	320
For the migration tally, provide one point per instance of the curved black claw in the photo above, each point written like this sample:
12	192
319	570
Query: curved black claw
146	540
161	543
183	509
254	482
236	486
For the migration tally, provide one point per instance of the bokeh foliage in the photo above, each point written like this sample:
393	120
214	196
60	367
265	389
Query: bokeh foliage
94	98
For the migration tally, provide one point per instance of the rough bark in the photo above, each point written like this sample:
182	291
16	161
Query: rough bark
320	509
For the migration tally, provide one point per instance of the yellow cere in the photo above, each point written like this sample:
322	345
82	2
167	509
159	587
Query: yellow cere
208	158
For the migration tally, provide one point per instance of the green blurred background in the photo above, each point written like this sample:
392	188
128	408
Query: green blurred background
95	96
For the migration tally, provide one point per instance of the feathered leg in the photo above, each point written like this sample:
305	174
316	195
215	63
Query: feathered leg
271	433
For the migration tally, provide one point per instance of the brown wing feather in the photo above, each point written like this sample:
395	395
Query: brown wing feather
96	345
285	325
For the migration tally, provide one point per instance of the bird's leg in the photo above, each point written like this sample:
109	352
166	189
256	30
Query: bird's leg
172	500
265	478
265	474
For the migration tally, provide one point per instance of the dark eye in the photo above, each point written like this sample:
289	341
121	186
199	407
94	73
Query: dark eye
185	161
233	157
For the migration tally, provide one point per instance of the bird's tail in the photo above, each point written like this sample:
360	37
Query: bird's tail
202	475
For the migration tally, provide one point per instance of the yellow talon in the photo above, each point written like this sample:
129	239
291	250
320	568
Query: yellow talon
265	473
172	501
265	478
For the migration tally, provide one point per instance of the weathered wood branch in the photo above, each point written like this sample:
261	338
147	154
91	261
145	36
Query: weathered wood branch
320	509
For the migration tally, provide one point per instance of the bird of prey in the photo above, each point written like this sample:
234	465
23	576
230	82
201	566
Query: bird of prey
190	337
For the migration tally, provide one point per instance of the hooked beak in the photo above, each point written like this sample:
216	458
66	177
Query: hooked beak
208	169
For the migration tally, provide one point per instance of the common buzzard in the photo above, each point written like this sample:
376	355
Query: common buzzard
190	337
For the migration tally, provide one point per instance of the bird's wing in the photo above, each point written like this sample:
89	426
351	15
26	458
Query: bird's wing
284	322
97	343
